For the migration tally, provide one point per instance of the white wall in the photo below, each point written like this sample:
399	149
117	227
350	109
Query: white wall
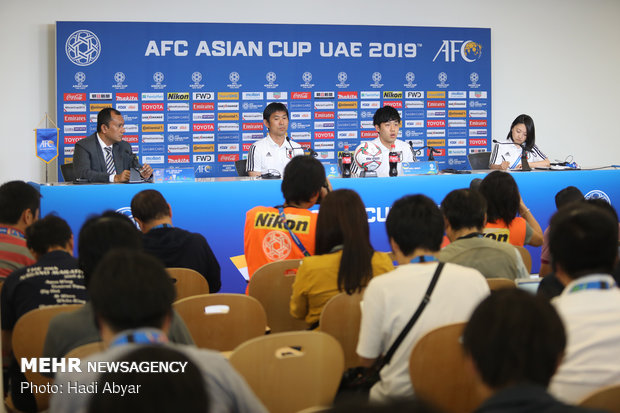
556	60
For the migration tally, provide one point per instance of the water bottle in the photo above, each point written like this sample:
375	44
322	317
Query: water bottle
394	159
346	162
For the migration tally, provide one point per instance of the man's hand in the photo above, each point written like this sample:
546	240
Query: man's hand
146	171
123	176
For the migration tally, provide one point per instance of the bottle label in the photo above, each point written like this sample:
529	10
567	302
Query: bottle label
346	159
394	157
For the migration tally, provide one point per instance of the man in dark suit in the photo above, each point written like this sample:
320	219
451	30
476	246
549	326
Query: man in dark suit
104	156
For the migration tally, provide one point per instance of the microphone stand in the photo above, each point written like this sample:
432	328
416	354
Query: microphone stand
525	166
413	152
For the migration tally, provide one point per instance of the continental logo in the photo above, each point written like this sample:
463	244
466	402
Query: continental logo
178	95
227	116
96	107
392	95
204	148
436	142
299	224
435	95
457	113
227	95
347	105
153	128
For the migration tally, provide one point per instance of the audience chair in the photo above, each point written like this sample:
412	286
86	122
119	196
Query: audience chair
606	398
341	318
438	371
222	321
188	282
497	283
291	371
86	350
479	160
272	285
28	338
527	258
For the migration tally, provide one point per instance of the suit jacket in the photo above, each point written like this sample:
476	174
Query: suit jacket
89	163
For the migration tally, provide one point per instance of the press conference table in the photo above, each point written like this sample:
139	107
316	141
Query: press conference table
216	207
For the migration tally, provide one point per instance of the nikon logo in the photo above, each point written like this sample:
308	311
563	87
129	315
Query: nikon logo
271	220
178	96
392	95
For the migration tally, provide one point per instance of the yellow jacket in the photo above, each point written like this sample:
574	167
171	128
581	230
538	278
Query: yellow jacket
317	281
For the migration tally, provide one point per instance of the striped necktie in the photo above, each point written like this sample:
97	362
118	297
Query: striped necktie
109	161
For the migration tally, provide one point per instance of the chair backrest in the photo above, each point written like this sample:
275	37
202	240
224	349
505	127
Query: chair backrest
86	350
291	371
28	338
272	285
479	160
341	318
188	282
526	257
607	399
222	321
438	371
498	283
68	174
240	167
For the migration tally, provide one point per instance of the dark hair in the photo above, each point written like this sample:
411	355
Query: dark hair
100	234
502	195
385	114
131	289
162	392
304	176
567	195
343	221
415	221
51	231
514	337
359	404
272	108
583	239
105	116
601	203
15	198
464	208
530	131
149	205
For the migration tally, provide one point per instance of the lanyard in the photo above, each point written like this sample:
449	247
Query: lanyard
12	232
591	285
161	226
293	236
140	337
423	258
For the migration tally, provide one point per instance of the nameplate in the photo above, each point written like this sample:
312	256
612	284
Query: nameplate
420	168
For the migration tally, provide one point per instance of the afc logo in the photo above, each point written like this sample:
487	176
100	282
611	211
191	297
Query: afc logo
47	144
469	50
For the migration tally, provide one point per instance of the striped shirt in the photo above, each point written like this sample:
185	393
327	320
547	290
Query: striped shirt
512	154
13	251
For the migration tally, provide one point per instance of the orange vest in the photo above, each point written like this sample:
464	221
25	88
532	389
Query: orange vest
513	234
266	240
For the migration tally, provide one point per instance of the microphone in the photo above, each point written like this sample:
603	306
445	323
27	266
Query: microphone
413	151
135	163
431	156
294	149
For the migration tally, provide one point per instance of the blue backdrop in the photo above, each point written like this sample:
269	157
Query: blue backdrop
217	209
192	94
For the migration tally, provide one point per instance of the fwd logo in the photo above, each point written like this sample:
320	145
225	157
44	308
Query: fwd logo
203	158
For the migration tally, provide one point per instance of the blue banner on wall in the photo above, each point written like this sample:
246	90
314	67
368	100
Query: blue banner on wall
192	94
